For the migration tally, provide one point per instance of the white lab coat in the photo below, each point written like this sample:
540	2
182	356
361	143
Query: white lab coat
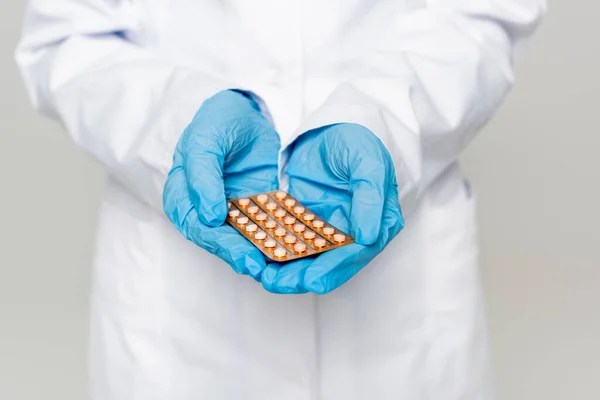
172	322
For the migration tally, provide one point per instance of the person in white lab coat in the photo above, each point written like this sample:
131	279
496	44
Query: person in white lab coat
172	321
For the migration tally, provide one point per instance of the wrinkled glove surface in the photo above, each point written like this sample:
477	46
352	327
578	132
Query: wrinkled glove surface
345	174
229	150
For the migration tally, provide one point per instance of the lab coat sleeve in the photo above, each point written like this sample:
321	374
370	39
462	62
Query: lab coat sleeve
429	83
85	64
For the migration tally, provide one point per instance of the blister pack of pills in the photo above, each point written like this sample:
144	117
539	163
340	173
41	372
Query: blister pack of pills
282	228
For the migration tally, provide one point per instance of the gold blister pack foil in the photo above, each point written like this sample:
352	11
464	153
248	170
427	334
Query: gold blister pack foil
290	230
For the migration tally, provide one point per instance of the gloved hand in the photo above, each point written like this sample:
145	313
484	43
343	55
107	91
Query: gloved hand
345	174
229	150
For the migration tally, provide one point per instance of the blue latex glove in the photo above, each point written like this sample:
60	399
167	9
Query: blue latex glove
345	174
229	150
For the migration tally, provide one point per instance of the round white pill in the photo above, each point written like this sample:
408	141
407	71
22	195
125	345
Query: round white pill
328	231
289	203
262	198
280	252
339	238
299	248
308	217
271	224
320	242
309	235
261	216
299	228
280	213
243	202
289	239
280	232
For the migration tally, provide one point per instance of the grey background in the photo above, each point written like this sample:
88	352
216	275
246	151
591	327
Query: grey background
536	169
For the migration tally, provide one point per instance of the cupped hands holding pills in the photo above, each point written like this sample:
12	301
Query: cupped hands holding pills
229	126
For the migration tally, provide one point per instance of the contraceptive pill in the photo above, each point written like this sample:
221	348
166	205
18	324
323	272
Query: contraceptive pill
339	238
299	228
280	252
309	235
320	242
308	217
262	198
280	213
328	231
280	232
282	228
299	248
261	217
288	203
289	239
243	202
271	224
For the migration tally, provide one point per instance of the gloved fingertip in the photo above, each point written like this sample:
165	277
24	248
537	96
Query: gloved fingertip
400	223
366	228
215	215
256	265
366	236
366	216
269	277
211	220
318	286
